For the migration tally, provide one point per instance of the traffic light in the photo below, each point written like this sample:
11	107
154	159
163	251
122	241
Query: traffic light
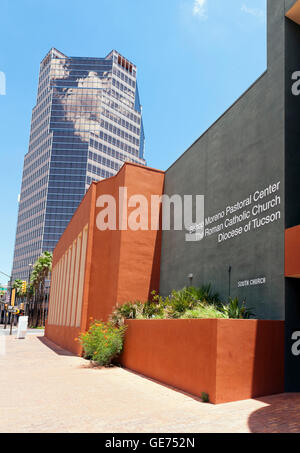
5	306
24	286
22	306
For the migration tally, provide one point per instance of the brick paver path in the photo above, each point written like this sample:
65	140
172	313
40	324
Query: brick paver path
46	390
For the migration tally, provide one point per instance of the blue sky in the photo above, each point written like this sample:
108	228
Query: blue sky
194	58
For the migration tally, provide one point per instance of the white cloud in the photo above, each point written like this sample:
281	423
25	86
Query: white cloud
199	8
259	13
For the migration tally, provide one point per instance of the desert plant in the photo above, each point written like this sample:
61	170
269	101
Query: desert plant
234	310
153	310
129	310
137	310
187	303
205	397
204	294
203	311
180	301
103	342
190	298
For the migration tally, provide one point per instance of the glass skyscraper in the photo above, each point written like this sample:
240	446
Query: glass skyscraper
86	123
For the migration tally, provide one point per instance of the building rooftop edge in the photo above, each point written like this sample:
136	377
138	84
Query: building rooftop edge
133	164
88	58
219	118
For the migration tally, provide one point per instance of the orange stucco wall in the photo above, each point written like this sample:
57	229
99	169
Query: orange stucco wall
180	353
250	359
228	359
292	252
84	215
126	264
64	337
120	265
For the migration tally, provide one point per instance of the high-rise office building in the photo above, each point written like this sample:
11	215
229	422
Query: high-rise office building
86	123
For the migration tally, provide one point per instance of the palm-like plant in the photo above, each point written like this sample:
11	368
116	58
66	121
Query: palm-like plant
17	285
204	294
41	271
236	311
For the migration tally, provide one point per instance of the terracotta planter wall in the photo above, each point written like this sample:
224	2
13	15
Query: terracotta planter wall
230	360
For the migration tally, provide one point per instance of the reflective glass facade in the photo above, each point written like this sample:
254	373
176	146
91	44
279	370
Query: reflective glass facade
86	123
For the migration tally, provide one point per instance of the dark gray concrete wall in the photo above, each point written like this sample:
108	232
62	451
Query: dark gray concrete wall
241	153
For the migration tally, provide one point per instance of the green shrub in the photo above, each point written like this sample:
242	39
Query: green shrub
130	310
205	397
204	294
187	303
103	342
234	310
189	299
153	309
180	301
203	312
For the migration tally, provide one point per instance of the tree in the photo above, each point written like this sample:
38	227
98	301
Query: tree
17	285
41	271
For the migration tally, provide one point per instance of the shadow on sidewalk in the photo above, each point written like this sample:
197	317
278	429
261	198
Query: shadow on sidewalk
281	416
162	384
55	348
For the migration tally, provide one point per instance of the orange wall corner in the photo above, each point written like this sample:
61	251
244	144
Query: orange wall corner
250	359
121	265
292	252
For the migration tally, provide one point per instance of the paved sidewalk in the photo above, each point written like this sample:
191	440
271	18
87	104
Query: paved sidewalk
48	390
15	329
